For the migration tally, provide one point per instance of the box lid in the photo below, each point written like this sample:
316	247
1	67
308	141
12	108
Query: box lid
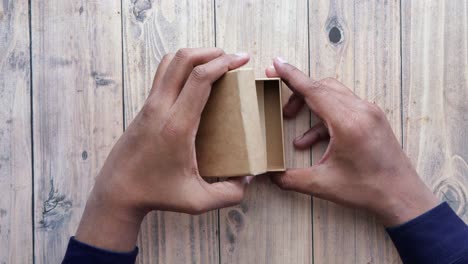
241	127
230	140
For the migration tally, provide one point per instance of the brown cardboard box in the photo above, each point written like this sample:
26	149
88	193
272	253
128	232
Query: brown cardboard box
241	129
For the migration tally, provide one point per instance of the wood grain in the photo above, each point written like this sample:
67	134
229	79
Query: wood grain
152	29
435	85
333	225
270	226
15	134
358	43
77	106
77	115
377	78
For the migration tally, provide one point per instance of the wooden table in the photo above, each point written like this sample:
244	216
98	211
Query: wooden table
73	74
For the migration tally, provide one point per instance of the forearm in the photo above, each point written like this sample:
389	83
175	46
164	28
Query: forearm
109	226
107	233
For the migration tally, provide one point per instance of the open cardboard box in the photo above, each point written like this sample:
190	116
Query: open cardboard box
241	128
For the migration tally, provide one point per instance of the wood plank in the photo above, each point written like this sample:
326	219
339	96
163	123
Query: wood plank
15	134
435	81
358	43
333	225
270	226
377	77
152	29
77	106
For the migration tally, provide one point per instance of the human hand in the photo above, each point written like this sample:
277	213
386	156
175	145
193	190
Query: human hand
153	165
364	165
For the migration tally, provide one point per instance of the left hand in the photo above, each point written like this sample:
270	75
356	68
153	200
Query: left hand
153	165
364	165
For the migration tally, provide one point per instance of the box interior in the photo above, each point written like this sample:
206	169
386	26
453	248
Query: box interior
271	119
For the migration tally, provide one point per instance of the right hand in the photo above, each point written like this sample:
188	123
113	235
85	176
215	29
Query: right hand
364	165
153	165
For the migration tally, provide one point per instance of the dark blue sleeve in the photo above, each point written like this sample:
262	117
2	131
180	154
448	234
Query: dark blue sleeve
79	252
437	236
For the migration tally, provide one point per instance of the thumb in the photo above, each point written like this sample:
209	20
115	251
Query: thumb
306	180
226	193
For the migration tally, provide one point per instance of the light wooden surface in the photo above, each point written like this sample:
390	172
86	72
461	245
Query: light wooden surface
92	66
435	96
262	229
16	240
77	111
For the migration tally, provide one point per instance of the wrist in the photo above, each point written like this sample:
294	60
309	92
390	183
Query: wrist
404	203
108	224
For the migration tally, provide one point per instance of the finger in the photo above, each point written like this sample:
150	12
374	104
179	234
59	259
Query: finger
294	78
162	68
313	135
293	106
193	97
306	180
317	98
295	102
270	72
226	193
180	68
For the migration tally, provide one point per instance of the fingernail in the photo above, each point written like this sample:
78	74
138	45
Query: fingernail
281	60
248	179
271	67
241	54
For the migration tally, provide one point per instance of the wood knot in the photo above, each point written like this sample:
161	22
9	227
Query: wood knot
101	80
56	209
84	155
141	9
236	219
335	31
334	35
452	191
235	223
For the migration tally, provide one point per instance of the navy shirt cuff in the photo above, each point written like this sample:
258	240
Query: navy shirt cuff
79	252
437	236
